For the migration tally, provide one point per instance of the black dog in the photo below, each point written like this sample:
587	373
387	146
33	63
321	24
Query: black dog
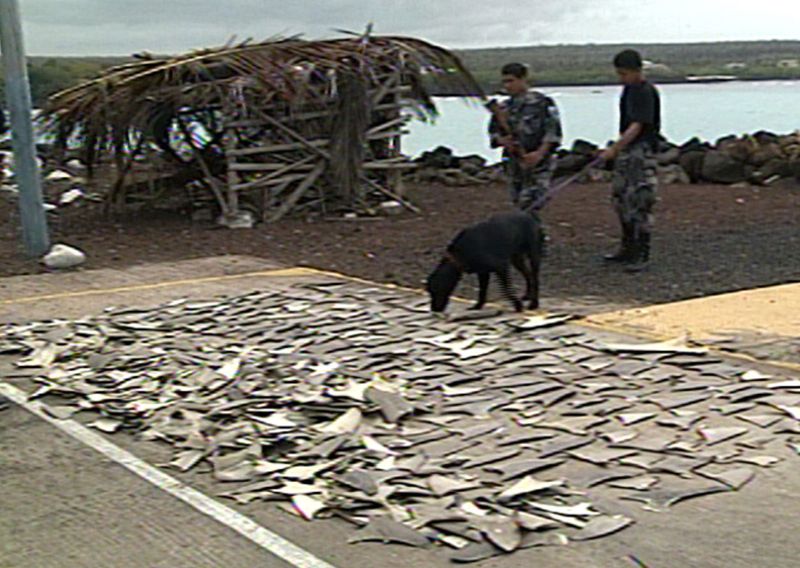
492	246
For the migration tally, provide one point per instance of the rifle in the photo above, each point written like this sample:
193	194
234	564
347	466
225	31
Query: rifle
502	120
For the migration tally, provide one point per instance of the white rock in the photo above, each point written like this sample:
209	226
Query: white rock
69	196
76	164
392	207
63	256
58	175
240	220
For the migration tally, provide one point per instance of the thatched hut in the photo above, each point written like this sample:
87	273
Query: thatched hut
283	124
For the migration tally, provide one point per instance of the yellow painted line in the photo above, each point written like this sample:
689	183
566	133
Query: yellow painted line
651	336
356	279
277	273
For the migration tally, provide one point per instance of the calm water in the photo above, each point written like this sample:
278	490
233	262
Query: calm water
708	111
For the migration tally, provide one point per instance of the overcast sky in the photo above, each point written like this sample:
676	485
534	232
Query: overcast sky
121	27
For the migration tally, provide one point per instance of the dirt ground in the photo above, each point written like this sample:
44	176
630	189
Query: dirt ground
708	239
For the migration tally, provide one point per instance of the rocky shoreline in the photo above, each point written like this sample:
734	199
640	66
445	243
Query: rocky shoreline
762	159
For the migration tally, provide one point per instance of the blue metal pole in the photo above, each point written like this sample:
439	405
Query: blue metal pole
18	98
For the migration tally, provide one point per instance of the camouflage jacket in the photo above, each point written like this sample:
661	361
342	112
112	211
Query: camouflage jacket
533	118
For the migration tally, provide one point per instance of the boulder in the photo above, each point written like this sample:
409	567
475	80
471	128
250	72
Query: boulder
669	157
571	163
692	164
63	256
763	137
795	167
788	140
694	145
719	167
584	148
673	174
440	157
764	153
664	145
740	150
472	164
777	167
724	141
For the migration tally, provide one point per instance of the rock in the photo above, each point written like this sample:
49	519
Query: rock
764	153
692	164
584	148
472	159
740	150
392	207
724	141
673	174
571	163
763	137
719	167
777	167
669	157
694	145
59	175
71	196
472	165
795	167
439	158
63	256
239	220
788	140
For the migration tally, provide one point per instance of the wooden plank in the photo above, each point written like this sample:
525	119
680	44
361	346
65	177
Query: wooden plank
390	166
321	143
385	135
256	167
400	121
276	174
303	116
327	156
295	196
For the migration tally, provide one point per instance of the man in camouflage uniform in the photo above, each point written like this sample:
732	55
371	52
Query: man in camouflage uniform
528	128
634	181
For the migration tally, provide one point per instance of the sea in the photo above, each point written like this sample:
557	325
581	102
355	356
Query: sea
708	111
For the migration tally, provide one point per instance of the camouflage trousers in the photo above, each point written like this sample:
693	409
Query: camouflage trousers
634	186
528	185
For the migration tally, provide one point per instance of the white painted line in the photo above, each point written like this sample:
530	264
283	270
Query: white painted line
269	541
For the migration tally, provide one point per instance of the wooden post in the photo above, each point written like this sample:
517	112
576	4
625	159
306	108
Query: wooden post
18	97
229	144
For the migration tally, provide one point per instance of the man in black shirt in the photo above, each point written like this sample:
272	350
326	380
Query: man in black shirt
635	182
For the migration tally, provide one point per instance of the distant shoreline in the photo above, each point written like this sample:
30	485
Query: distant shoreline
660	81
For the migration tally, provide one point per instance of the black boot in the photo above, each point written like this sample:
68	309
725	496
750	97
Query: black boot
641	256
624	254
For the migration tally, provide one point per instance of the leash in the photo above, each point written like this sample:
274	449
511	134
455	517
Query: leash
550	193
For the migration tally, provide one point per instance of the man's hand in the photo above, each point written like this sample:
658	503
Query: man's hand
609	153
531	159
